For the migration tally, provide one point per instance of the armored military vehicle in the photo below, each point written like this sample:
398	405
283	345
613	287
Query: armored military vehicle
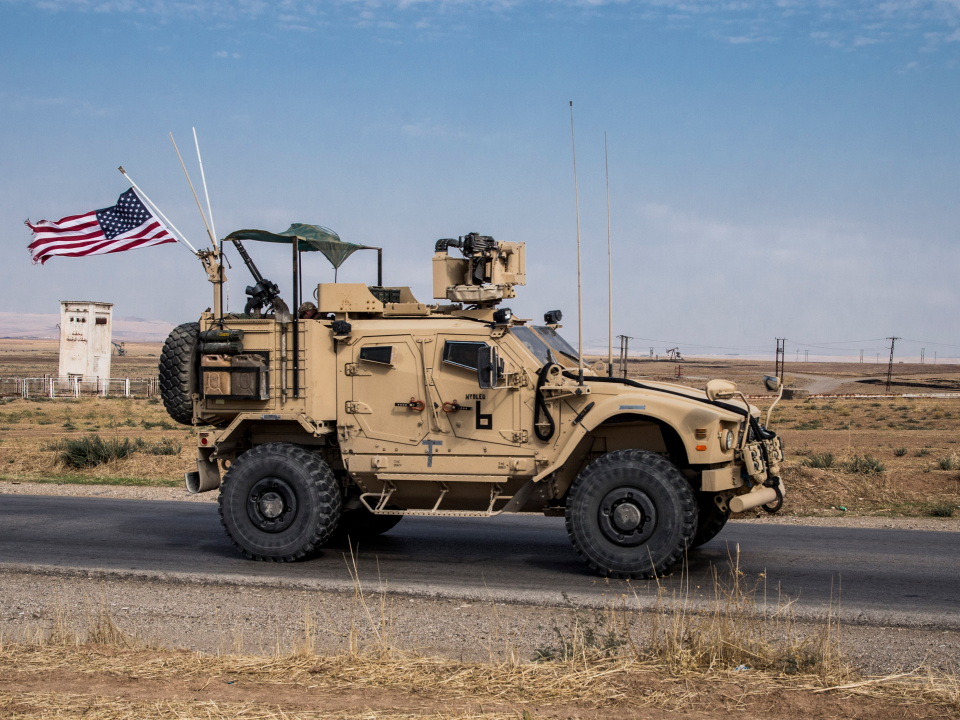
347	414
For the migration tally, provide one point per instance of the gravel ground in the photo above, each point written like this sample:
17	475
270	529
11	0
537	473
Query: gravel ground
261	620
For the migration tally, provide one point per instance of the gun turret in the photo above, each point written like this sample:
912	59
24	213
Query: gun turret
487	273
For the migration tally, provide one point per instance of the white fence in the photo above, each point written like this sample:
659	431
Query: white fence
56	387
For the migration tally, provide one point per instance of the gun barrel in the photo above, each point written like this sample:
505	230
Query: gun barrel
248	261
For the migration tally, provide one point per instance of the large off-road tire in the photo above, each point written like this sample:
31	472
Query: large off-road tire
361	524
178	372
279	502
631	514
710	520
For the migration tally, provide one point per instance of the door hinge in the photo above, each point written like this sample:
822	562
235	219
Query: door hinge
350	369
357	408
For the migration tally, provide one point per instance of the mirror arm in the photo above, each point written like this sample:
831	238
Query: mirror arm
770	409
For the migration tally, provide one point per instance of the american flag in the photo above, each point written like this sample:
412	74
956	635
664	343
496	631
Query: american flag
125	226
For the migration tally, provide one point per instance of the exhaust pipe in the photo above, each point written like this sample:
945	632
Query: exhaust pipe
755	498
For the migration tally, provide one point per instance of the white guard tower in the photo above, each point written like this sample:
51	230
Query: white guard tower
86	330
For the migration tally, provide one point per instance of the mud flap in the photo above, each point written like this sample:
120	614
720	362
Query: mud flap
207	475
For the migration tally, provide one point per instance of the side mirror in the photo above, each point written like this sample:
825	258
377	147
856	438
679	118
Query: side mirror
721	390
772	382
489	367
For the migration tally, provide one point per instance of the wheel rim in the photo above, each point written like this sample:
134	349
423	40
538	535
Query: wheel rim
627	516
272	505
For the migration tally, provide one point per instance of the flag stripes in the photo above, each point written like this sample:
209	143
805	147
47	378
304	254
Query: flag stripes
130	225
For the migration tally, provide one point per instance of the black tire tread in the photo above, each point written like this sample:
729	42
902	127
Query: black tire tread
178	372
331	500
689	510
710	520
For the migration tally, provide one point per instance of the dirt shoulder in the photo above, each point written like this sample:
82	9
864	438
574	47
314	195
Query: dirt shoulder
267	620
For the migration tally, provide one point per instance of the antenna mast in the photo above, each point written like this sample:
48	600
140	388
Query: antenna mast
606	165
576	193
204	179
190	183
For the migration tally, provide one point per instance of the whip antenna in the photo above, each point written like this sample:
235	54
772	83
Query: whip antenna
606	165
576	194
193	191
204	179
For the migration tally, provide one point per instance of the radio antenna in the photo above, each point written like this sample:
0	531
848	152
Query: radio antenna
214	242
606	165
204	179
576	194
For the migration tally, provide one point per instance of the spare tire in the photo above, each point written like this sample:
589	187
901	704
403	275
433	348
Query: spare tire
178	372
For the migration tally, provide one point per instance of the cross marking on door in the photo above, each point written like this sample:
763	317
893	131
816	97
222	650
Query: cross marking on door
430	444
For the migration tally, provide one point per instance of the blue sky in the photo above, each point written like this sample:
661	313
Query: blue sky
777	168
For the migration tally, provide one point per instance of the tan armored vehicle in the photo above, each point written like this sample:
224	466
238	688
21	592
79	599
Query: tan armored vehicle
346	415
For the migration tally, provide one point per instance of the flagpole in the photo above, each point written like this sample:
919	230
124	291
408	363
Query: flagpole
163	217
196	199
203	177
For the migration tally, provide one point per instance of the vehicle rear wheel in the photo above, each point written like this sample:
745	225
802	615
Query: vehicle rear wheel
631	514
279	502
361	524
710	520
178	372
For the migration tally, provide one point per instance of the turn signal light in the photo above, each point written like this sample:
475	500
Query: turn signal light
701	447
701	433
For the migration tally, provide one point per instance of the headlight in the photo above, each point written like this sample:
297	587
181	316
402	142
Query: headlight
728	440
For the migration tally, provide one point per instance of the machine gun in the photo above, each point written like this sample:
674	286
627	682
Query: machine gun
265	293
477	249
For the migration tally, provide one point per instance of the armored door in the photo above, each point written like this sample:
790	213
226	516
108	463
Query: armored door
388	389
487	416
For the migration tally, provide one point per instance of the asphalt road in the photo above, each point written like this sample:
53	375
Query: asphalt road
886	576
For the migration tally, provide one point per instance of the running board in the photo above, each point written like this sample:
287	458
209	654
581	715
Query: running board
383	499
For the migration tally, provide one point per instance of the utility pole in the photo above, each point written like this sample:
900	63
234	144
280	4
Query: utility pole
806	355
781	357
861	357
893	341
922	352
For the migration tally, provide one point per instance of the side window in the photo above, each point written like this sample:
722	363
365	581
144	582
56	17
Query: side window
379	354
462	354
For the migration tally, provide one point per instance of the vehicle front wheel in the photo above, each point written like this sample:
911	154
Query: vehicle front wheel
279	502
631	514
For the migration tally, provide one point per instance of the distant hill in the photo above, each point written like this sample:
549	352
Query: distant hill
43	325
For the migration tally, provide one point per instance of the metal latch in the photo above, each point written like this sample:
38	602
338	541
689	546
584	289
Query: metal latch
517	436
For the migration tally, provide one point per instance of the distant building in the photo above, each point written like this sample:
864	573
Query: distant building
86	331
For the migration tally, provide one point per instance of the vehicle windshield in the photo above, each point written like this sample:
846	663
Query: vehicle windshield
538	339
556	342
532	342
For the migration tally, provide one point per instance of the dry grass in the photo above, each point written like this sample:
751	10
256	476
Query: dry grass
682	655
